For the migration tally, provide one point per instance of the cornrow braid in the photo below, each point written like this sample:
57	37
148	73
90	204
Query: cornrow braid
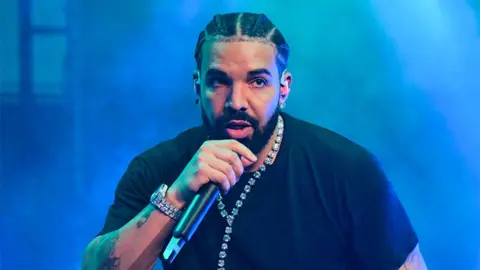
243	27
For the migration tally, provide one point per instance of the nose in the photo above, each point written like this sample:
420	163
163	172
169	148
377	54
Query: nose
237	100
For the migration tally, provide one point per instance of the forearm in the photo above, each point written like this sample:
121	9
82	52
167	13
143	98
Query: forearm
135	246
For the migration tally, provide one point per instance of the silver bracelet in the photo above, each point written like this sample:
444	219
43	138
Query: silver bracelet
159	201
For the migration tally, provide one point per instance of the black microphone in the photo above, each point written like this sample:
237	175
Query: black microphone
190	220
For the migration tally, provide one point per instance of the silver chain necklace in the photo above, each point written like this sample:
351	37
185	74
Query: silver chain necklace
243	196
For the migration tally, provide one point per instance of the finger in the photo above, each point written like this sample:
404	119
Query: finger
246	162
241	149
218	177
232	158
223	167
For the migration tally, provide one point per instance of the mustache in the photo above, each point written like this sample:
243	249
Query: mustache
238	115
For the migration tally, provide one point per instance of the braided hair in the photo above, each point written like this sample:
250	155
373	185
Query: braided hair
243	27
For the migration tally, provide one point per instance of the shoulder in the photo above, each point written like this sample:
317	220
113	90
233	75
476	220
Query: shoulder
335	159
180	147
163	162
322	142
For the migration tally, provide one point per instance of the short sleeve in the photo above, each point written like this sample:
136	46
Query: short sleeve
132	195
383	236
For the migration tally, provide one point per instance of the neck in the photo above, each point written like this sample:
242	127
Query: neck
262	155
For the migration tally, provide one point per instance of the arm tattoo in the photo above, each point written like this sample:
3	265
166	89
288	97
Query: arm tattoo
103	249
111	262
144	218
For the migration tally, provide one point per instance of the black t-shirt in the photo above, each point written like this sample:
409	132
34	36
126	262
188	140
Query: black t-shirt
324	204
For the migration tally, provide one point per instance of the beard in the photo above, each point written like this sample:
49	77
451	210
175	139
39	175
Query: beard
260	136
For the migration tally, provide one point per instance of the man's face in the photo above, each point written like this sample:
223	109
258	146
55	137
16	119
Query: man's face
240	91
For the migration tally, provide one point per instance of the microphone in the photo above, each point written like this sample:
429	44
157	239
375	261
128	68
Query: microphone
190	220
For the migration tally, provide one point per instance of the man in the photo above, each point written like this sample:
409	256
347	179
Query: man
299	196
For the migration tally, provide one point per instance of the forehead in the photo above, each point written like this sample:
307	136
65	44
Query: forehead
239	57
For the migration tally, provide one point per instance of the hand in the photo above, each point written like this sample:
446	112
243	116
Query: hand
221	162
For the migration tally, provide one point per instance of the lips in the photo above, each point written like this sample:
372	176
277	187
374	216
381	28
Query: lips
238	129
239	133
237	124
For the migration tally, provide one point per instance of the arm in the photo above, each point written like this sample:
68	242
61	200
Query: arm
414	261
383	237
134	246
134	232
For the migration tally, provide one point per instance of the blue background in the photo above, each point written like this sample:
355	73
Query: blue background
86	85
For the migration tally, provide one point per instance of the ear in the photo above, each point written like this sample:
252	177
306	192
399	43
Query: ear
285	83
196	82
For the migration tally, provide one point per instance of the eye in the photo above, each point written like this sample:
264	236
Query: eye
216	82
259	83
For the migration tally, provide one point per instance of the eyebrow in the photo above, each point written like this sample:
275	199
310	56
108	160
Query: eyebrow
260	71
215	72
251	73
